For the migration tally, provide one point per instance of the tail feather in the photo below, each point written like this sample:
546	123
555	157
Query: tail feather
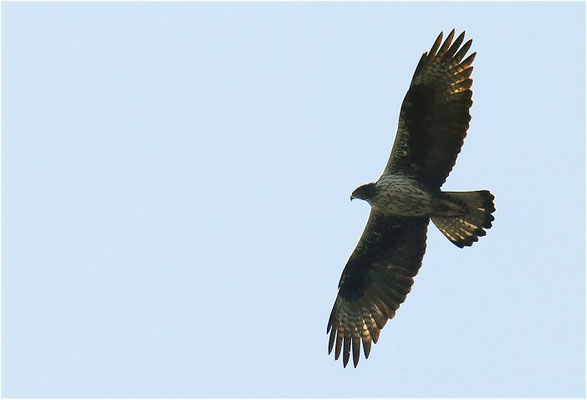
464	230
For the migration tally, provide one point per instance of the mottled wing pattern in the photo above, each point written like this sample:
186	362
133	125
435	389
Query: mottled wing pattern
375	281
434	116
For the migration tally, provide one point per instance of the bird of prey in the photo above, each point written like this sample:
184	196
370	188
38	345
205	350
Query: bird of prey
433	123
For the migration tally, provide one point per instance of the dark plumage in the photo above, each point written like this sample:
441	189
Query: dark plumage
433	123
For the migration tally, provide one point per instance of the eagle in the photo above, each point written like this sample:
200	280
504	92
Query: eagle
433	123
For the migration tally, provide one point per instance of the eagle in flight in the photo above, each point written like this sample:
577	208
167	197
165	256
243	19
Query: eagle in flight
433	123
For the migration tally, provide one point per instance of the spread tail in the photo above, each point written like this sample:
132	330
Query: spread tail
464	230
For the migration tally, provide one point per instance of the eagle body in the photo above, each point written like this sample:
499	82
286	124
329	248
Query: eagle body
379	274
401	195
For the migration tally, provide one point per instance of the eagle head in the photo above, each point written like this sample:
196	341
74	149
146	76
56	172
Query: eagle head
365	192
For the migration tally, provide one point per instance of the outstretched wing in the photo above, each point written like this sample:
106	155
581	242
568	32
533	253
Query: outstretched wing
434	116
375	281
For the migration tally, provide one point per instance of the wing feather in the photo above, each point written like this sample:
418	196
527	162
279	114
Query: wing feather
436	45
455	46
375	282
347	350
366	346
461	53
446	44
434	116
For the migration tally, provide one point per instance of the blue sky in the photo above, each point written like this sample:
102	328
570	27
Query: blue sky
175	199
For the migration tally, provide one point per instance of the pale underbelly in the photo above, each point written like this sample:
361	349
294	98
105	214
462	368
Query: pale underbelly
406	198
413	204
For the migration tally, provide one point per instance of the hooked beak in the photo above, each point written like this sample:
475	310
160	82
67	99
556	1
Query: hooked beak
352	197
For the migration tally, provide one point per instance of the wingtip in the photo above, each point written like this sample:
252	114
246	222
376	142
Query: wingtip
469	60
346	350
436	45
367	346
345	360
451	35
331	341
446	44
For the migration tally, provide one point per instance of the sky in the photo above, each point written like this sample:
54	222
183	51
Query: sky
175	199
